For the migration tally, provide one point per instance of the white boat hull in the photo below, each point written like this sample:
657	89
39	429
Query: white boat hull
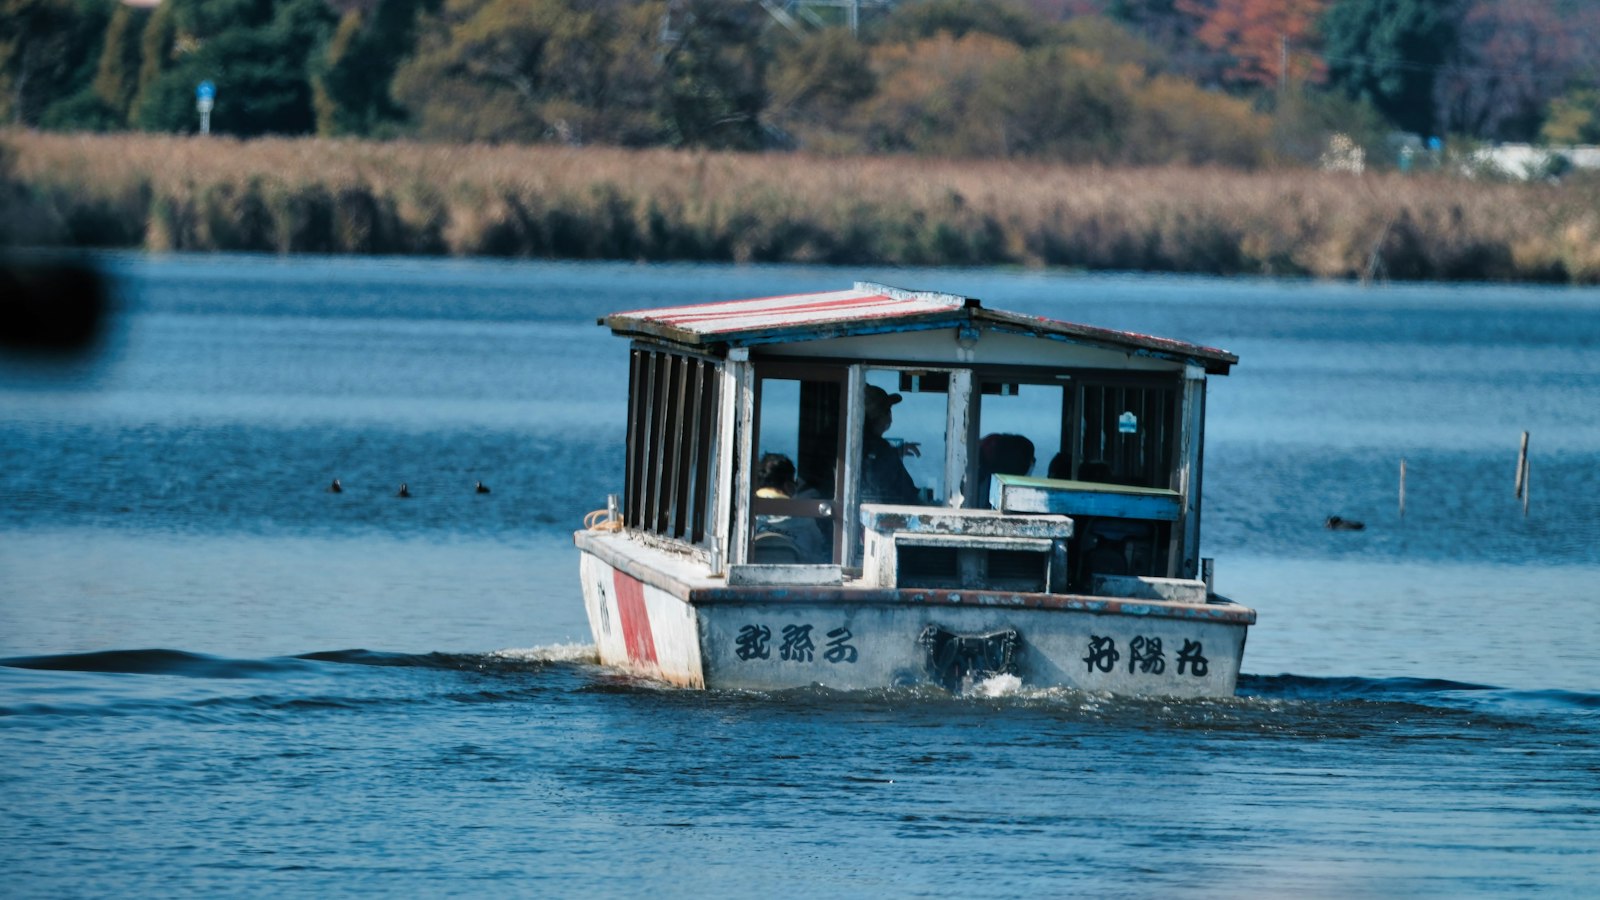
661	622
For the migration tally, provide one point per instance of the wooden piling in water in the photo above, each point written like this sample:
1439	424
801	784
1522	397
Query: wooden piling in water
1526	488
1402	487
1522	465
1522	474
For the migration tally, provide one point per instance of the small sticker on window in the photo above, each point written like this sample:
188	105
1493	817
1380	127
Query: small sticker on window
1128	423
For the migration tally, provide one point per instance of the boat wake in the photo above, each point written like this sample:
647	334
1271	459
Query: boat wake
124	682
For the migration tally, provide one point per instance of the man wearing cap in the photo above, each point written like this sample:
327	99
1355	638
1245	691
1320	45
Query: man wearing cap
884	478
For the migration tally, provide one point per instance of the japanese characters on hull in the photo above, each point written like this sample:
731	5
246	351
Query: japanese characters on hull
794	643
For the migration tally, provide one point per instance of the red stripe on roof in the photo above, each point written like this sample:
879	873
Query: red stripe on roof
647	313
843	303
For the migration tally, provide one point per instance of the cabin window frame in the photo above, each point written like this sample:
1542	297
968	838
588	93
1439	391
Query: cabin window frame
1073	422
1173	444
670	473
958	399
787	369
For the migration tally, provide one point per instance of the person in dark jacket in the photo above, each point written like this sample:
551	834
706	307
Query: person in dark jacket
884	478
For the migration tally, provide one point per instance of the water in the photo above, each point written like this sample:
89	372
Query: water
221	679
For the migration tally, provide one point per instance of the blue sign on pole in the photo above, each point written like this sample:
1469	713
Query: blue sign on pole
204	99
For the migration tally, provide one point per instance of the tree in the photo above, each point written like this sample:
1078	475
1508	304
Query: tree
1389	52
715	76
935	97
254	51
531	70
1574	118
958	18
351	79
48	50
1512	60
1172	31
814	82
116	80
1262	37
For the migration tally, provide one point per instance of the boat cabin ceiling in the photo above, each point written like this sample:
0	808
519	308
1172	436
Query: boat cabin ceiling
776	431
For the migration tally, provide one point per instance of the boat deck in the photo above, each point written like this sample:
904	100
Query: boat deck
686	579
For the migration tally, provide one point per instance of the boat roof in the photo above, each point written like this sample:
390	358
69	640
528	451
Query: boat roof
869	308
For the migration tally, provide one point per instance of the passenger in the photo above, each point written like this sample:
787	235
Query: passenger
1097	470
1002	454
1061	466
884	478
1105	543
775	480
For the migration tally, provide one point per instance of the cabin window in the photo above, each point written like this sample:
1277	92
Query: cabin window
1131	427
798	442
1090	426
672	408
1022	429
903	444
1084	426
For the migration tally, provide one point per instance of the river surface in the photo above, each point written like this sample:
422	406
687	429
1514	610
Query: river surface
218	678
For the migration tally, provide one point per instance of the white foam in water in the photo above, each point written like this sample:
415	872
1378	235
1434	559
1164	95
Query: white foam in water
998	686
551	653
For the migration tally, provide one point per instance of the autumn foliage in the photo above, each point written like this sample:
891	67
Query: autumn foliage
1267	41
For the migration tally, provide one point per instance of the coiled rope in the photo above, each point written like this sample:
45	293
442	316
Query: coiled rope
601	520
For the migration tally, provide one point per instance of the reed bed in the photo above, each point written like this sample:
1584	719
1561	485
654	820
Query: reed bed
330	196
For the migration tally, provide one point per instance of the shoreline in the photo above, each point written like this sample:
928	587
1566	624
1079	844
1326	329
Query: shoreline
312	195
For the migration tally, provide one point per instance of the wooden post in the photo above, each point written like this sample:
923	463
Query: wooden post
1402	487
1526	488
1522	464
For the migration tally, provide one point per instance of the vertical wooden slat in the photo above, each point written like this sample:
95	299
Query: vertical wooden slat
652	473
750	463
1184	561
743	464
726	479
1079	410
630	473
1149	424
683	487
1164	452
1117	406
1094	397
958	418
1064	439
847	487
646	420
671	440
705	459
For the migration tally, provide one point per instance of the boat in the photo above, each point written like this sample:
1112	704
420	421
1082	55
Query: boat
848	489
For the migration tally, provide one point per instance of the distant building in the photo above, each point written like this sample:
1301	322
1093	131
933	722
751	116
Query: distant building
1528	162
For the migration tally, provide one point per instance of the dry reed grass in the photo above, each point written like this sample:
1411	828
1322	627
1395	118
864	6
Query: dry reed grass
283	195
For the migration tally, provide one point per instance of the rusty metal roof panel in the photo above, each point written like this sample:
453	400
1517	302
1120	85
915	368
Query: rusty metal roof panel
791	317
869	308
1215	361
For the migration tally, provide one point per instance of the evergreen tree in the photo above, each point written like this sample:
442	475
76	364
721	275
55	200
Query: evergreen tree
116	80
48	50
351	80
254	51
715	76
156	44
1389	52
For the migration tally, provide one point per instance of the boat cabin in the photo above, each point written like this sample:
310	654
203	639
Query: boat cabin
896	438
